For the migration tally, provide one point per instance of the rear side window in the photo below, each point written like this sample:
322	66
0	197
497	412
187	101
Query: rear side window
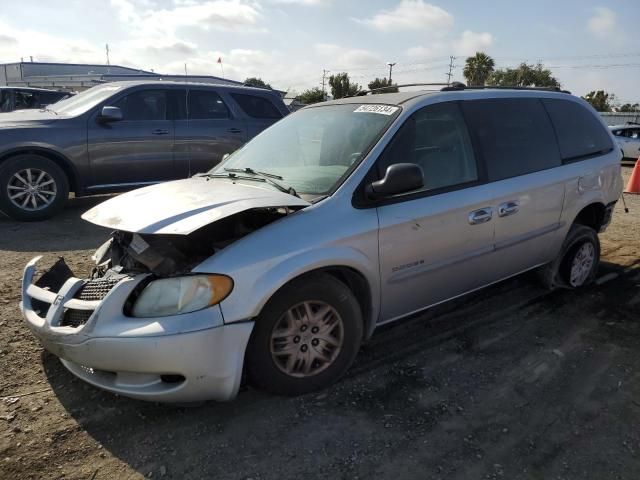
256	107
514	136
206	105
436	139
580	134
144	105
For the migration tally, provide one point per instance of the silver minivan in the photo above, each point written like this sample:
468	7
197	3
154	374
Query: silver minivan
283	259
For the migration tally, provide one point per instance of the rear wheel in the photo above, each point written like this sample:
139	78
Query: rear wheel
32	187
306	337
577	262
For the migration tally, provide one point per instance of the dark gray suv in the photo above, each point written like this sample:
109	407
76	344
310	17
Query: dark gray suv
122	135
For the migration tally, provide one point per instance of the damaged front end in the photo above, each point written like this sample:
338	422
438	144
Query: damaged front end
142	323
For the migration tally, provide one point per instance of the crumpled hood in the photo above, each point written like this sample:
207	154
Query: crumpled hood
183	206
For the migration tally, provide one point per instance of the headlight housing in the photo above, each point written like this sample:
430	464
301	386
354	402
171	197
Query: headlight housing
173	296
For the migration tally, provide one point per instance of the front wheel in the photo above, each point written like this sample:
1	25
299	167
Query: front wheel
306	337
32	187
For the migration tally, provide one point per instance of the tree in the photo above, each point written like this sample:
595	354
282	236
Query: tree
627	107
524	75
342	87
600	100
313	95
381	83
256	82
478	68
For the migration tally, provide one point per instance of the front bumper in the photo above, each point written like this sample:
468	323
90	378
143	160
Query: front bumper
180	358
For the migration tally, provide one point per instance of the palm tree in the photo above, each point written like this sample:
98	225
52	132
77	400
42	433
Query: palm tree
478	68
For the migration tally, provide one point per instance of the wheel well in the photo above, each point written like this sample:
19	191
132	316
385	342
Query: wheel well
591	216
61	161
357	283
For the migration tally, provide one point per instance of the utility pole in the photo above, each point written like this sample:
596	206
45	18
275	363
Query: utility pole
107	49
185	69
391	65
451	65
324	75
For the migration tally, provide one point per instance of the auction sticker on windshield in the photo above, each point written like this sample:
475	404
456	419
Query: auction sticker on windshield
381	109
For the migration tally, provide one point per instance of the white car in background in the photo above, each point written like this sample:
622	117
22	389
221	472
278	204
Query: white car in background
628	137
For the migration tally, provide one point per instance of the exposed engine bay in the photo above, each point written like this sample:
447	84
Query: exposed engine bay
167	254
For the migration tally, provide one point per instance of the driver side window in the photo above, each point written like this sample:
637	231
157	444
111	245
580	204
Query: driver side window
436	139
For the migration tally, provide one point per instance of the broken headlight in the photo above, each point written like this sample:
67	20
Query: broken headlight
173	296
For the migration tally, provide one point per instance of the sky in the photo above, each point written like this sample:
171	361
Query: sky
288	43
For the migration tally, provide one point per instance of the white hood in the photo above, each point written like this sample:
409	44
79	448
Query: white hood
184	206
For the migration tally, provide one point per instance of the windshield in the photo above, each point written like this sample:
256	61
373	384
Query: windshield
314	148
85	101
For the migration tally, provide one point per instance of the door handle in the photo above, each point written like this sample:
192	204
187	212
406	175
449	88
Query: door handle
159	131
482	215
234	130
508	208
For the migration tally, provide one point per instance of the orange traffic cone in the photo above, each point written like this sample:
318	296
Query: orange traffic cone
634	182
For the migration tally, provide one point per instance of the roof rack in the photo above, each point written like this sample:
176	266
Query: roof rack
457	86
462	86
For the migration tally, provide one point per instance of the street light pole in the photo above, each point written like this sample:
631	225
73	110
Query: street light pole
390	70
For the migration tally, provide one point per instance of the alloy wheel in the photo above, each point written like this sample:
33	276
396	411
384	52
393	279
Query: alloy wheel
31	189
582	264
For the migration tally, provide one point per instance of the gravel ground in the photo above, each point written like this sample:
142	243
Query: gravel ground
546	385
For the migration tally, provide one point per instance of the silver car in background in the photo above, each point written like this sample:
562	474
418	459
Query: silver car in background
339	218
628	137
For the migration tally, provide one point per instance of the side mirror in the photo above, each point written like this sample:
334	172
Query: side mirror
399	178
110	114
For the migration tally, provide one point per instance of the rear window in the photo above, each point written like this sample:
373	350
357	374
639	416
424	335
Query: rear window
514	136
256	107
579	132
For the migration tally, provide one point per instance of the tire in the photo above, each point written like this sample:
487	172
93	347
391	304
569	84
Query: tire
577	263
329	310
49	198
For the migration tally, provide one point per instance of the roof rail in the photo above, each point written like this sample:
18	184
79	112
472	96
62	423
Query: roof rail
461	86
457	86
362	93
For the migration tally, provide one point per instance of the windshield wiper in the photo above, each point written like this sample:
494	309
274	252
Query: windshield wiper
46	109
268	177
253	172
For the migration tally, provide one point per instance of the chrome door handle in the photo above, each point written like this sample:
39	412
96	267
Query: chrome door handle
508	208
234	130
482	215
160	131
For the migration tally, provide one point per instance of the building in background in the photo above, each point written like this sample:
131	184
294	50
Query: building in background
77	77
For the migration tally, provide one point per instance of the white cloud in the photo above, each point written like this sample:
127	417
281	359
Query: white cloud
341	57
602	23
466	44
223	15
311	3
411	15
472	42
16	43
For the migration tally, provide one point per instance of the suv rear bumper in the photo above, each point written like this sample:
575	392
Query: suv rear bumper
180	358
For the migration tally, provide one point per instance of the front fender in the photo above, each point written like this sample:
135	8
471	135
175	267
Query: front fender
252	292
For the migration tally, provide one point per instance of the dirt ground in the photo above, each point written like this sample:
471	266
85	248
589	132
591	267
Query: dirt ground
512	383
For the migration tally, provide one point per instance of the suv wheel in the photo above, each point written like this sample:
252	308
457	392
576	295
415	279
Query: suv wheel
306	337
32	188
577	262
